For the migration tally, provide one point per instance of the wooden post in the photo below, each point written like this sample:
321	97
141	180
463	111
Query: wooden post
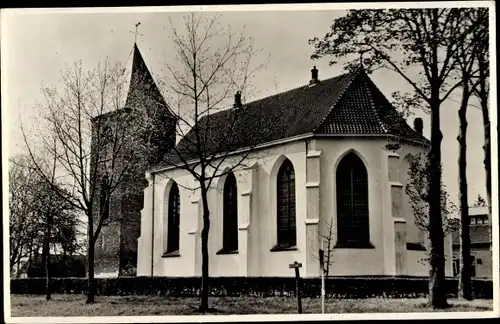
296	266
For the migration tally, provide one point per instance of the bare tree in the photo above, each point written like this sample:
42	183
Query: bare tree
482	93
328	247
36	215
466	69
213	63
88	133
22	222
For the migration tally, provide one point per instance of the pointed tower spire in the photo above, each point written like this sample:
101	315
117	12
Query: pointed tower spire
142	88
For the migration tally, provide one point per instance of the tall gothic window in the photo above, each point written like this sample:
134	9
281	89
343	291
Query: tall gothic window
173	219
352	202
287	234
230	215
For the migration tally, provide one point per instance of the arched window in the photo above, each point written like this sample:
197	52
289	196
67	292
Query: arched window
352	202
287	234
173	219
230	215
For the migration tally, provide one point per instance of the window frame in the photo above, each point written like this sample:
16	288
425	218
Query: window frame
230	230
286	207
172	249
357	220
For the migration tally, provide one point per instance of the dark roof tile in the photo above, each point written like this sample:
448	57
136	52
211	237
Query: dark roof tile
349	104
479	234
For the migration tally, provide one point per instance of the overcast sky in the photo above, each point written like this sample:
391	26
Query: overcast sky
36	46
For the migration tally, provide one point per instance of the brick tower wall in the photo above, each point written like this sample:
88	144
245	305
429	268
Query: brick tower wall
116	246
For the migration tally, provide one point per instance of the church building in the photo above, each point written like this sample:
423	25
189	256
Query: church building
317	155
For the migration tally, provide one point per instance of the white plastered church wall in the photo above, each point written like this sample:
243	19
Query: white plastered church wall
315	165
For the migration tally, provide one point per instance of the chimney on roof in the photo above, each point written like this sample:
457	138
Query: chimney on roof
314	76
237	100
418	125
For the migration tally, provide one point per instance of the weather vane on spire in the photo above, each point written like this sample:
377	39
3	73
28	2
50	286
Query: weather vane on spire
136	32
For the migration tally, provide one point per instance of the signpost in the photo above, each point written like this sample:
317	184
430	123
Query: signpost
296	266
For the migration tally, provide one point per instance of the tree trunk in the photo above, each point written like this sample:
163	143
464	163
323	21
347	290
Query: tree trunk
46	253
487	159
204	250
37	259
90	261
13	257
465	288
330	248
437	287
30	256
18	264
483	99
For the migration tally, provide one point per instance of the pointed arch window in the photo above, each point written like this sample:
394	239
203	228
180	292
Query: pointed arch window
285	186
173	219
352	203
230	215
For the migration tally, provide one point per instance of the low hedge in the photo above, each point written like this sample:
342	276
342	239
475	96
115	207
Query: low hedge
338	287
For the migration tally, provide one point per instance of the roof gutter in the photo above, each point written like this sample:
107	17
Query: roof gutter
246	149
283	141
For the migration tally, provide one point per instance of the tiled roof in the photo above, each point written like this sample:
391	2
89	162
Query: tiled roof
479	234
349	104
142	85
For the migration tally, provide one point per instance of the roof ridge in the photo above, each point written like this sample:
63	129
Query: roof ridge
275	95
296	88
381	95
372	106
353	76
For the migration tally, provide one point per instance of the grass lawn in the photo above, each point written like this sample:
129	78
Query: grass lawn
74	305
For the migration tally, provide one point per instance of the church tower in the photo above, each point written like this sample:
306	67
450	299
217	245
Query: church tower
116	245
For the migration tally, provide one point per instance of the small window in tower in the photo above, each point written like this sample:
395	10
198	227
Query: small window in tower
479	261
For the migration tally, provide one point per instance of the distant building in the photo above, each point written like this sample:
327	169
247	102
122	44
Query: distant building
481	247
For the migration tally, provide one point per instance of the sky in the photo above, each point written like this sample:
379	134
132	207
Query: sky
36	46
